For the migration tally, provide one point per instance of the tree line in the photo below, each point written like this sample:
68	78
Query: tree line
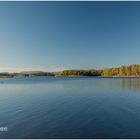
79	73
131	70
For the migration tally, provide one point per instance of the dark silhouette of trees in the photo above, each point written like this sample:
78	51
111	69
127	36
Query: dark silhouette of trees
80	73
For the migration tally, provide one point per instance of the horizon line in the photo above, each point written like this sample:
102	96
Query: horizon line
18	70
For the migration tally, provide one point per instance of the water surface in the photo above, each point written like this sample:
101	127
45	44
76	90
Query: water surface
60	107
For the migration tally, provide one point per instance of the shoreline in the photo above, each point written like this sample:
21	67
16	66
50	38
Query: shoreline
129	71
74	76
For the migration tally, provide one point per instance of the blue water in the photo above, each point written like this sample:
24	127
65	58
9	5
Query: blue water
60	107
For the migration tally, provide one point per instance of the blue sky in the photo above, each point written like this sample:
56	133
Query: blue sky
61	35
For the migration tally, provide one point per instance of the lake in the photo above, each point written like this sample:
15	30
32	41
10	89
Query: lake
62	107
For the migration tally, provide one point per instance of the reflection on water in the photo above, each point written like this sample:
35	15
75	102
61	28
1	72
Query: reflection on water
87	82
123	83
61	107
133	84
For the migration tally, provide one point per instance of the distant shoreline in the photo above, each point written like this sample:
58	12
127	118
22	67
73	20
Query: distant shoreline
130	71
74	76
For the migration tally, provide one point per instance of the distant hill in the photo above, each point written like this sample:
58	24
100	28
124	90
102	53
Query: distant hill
130	70
35	73
122	71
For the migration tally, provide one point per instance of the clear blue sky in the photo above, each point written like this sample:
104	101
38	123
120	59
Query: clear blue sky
55	35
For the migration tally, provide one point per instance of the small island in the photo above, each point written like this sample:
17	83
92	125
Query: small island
122	71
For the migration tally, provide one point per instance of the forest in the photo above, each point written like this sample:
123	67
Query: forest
122	71
130	70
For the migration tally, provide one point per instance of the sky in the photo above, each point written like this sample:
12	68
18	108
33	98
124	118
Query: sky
53	36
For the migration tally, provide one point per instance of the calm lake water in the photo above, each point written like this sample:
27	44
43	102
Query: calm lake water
60	107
